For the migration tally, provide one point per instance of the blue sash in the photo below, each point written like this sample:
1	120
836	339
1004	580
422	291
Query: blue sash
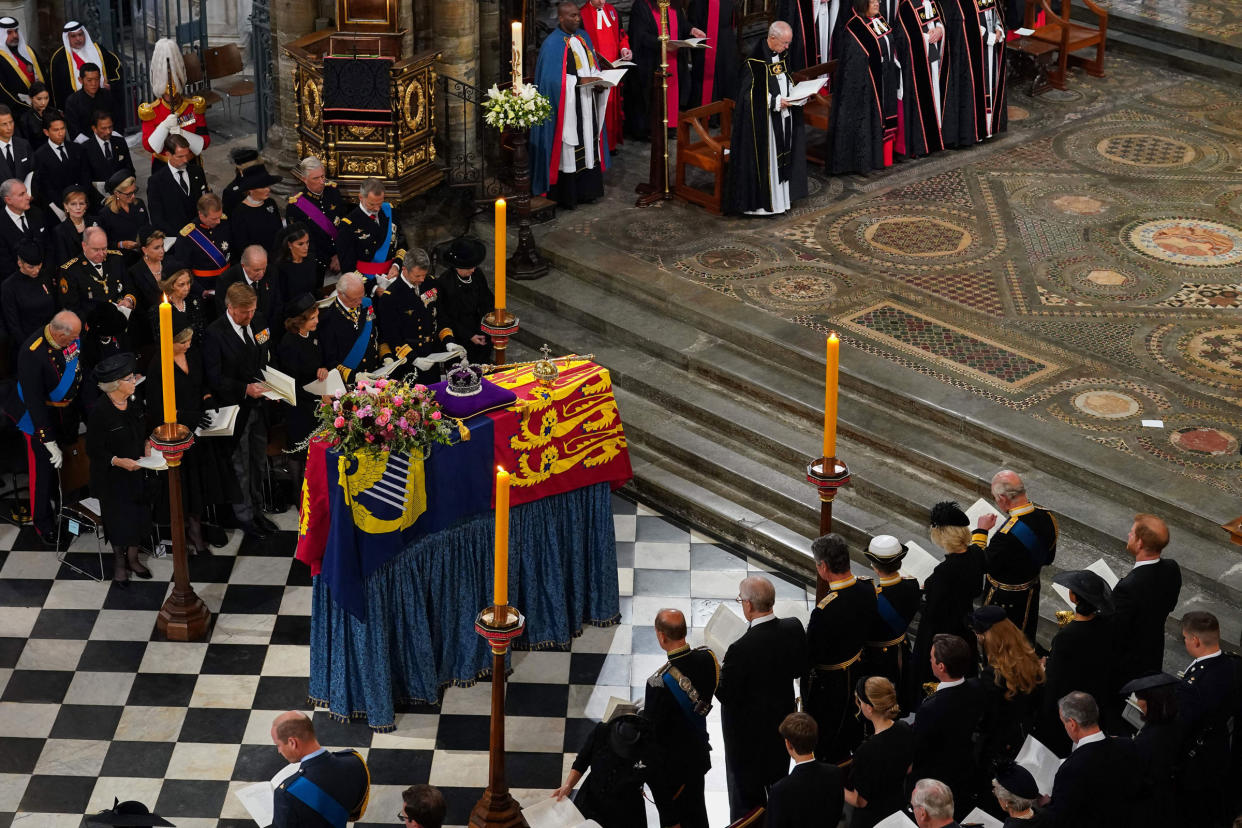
319	801
697	723
58	393
890	615
381	255
354	357
1026	536
207	246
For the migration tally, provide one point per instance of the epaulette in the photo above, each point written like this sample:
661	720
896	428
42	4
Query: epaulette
35	345
113	252
200	105
657	678
67	264
293	199
346	220
146	111
827	599
1004	530
187	230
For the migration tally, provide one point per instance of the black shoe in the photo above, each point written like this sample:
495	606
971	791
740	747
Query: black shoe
261	521
275	508
50	540
216	536
252	530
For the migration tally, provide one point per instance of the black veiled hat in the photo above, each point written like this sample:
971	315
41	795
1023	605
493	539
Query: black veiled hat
947	513
131	813
117	179
1088	587
299	305
1151	682
627	735
115	367
985	618
30	253
241	156
466	252
1017	780
257	177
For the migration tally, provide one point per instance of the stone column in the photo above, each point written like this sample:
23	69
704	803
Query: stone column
489	36
455	27
290	20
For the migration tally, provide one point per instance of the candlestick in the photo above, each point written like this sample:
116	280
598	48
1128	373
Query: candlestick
500	253
830	396
500	585
166	362
517	56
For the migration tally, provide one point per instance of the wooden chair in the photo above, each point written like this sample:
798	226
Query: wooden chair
195	80
817	112
1069	37
225	62
705	151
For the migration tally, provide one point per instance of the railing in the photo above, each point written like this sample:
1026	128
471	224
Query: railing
264	66
468	147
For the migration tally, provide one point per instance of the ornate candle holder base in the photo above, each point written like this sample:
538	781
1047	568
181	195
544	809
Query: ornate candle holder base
497	808
184	616
499	325
828	474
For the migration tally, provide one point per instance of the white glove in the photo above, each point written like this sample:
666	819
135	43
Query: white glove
170	121
54	450
455	348
194	140
388	360
423	364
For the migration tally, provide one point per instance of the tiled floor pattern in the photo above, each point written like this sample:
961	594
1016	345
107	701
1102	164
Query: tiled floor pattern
92	707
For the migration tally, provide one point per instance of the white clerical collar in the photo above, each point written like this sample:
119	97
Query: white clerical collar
1098	736
1137	564
1202	658
945	685
763	619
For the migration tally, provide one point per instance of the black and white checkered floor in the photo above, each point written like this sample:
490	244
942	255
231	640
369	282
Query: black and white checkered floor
91	707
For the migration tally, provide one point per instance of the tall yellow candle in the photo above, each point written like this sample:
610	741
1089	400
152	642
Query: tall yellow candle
500	252
500	585
166	362
830	396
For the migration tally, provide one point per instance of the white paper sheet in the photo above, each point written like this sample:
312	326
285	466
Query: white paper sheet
221	424
980	508
550	813
1025	32
981	818
154	461
606	78
1099	568
723	628
618	706
280	386
258	800
918	562
805	89
690	43
897	819
1041	762
329	386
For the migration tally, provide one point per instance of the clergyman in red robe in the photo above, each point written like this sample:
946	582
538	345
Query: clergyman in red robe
603	25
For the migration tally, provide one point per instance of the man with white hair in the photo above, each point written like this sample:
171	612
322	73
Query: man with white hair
19	222
932	804
171	113
45	407
251	271
96	287
1024	545
349	336
77	49
320	206
19	66
768	171
370	240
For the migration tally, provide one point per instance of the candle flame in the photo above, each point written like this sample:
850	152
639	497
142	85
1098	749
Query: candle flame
832	337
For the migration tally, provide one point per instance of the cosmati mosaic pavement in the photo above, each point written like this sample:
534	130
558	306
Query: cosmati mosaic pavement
1218	20
1085	268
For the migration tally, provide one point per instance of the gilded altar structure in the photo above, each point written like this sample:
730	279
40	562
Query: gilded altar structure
402	154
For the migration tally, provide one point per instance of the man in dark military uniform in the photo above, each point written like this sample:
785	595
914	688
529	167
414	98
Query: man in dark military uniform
205	246
679	697
1209	699
319	205
370	240
1017	552
834	642
897	601
96	287
349	337
407	318
48	377
329	789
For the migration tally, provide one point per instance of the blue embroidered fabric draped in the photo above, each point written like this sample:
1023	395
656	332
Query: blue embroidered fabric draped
423	602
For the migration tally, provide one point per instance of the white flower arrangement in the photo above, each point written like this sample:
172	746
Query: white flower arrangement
522	108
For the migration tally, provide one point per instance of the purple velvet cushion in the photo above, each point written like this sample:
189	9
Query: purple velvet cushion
490	397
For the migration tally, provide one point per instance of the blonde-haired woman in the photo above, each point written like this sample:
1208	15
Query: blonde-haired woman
876	786
123	214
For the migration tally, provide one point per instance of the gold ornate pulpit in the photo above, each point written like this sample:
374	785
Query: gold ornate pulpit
403	153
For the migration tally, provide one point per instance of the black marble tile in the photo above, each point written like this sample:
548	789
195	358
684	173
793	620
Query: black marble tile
27	540
6	819
456	732
396	767
662	582
280	693
460	802
626	608
291	629
213	569
24	592
209	724
625	554
276	545
576	732
250	598
299	574
11	651
19	755
650	528
599	668
112	656
234	659
139	759
162	689
64	623
139	595
330	731
523	699
257	763
85	562
533	770
191	798
86	721
623	506
57	794
47	686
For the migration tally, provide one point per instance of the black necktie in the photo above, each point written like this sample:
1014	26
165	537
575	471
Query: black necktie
185	185
246	335
63	157
8	156
107	148
25	226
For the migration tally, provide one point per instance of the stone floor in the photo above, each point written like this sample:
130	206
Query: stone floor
1084	269
1213	20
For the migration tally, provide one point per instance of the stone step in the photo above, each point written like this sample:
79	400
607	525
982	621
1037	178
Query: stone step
1201	53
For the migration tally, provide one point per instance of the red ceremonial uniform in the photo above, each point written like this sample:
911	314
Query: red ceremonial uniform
603	25
189	111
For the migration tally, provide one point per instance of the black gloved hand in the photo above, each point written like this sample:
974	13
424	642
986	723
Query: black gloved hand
204	420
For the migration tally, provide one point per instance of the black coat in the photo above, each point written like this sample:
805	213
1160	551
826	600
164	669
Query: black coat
1209	696
462	307
944	727
1142	602
299	357
30	127
810	795
27	304
67	242
62	84
1096	786
948	597
864	96
230	365
1159	748
296	278
146	286
124	225
52	174
342	775
834	643
11	237
170	207
110	432
612	793
80	108
749	185
756	693
96	167
256	225
1006	721
270	313
23	160
1080	658
878	774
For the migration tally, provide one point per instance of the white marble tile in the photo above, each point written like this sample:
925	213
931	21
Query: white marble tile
77	595
25	720
12	788
99	688
646	607
5	673
287	660
199	760
8	535
124	625
716	584
150	724
540	667
660	555
296	601
625	581
211	593
71	757
243	628
20	564
25	820
415	731
236	692
646	510
260	569
459	769
51	654
383	804
233	808
173	657
698	537
591	701
540	734
17	622
468	700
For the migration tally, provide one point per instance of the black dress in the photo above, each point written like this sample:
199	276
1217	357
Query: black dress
463	304
256	225
30	126
296	278
123	225
192	313
299	357
949	594
110	433
1006	722
206	470
1078	659
146	285
1160	748
878	774
612	793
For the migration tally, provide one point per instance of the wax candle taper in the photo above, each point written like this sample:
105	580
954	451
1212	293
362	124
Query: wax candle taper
500	252
166	362
830	397
500	585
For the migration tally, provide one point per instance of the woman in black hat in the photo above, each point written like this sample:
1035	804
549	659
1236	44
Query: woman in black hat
298	356
1159	745
123	214
131	814
115	440
295	268
67	236
206	469
1016	793
465	298
619	754
256	218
